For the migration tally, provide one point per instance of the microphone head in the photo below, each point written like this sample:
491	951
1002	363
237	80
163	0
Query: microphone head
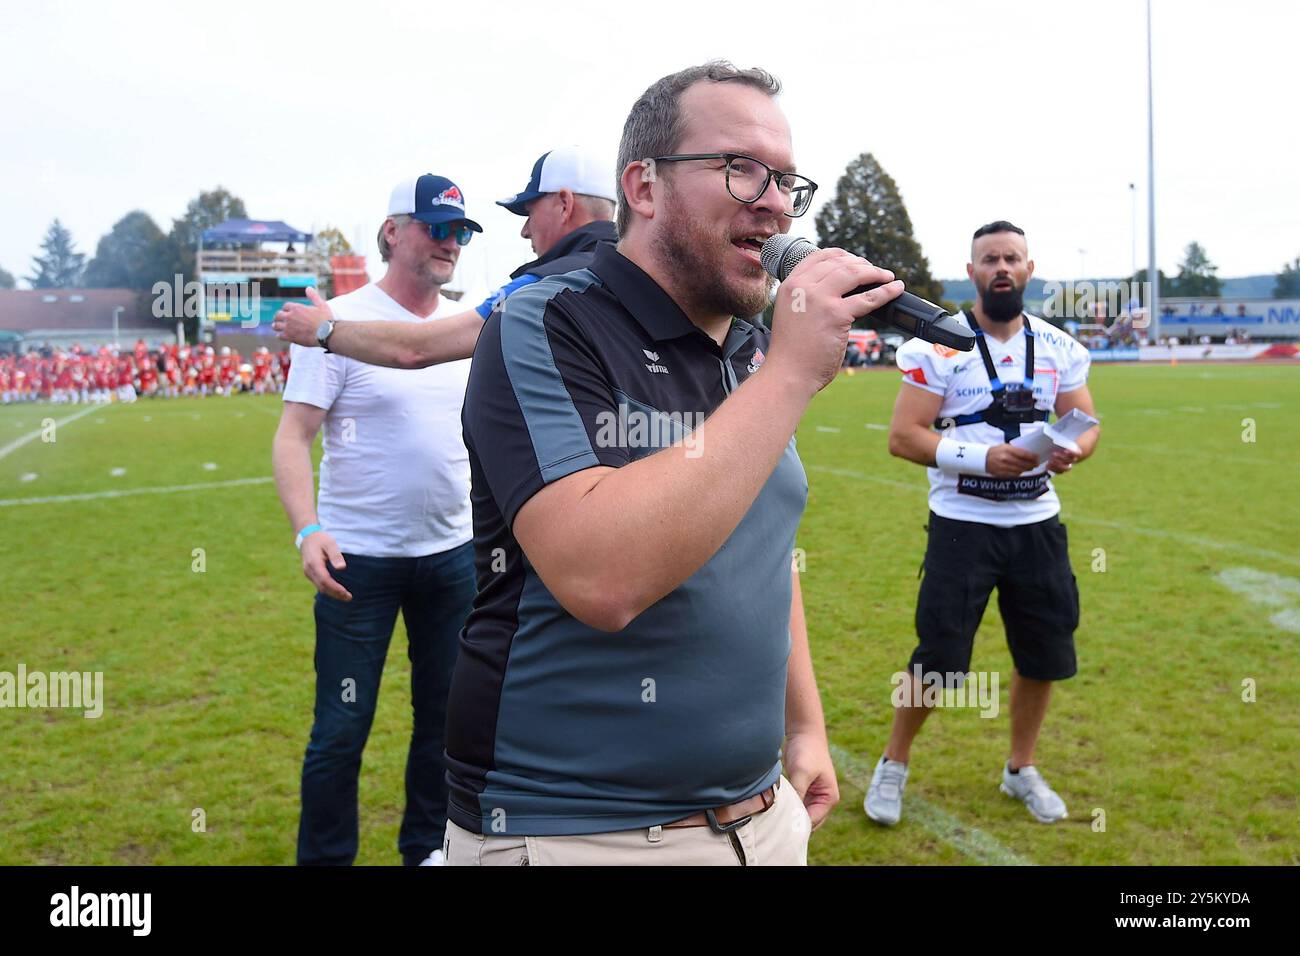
946	330
781	253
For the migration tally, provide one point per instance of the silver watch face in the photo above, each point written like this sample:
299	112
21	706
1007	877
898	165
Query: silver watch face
323	330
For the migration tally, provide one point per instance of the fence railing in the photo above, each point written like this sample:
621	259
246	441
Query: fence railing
263	263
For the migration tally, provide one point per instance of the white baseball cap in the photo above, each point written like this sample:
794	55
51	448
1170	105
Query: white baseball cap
431	199
568	167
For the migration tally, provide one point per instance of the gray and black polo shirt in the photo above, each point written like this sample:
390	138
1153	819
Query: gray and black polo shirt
554	727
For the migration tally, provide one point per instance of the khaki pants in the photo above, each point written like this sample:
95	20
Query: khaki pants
777	837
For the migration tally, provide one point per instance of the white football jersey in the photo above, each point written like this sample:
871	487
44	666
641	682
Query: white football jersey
1060	365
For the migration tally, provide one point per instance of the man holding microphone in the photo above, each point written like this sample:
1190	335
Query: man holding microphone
634	684
993	511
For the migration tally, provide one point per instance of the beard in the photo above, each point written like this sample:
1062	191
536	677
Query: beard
696	253
1003	306
423	267
435	272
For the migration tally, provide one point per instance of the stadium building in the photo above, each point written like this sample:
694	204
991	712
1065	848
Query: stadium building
60	318
249	268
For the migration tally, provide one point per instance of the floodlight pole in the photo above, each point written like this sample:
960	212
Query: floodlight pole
1133	197
1153	273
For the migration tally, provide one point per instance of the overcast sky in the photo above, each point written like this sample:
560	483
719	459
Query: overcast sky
1029	111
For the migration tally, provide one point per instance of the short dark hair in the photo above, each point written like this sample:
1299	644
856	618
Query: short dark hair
998	225
654	127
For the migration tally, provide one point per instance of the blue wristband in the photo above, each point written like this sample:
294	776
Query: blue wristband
304	534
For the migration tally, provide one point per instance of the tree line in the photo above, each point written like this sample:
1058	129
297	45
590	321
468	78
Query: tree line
135	253
1198	278
866	216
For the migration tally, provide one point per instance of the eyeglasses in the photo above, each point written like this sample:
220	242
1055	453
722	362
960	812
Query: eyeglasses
439	231
747	180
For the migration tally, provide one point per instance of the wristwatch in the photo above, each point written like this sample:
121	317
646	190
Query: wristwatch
323	333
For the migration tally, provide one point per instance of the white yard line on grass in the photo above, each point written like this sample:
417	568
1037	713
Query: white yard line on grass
972	842
1194	540
1271	591
848	473
1246	456
125	492
30	436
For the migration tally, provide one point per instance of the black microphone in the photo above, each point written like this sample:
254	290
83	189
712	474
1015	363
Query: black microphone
911	313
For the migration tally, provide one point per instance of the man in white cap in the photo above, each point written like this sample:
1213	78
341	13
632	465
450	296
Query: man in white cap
392	529
569	209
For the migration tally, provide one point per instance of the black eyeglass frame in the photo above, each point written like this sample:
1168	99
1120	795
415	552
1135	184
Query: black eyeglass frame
771	174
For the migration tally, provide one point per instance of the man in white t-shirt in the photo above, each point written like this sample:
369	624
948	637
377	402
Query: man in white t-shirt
993	512
392	531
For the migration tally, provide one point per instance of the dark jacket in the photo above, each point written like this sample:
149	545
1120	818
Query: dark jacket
574	251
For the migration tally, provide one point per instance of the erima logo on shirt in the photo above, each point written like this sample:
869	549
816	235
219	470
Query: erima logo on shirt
654	365
1008	360
1066	343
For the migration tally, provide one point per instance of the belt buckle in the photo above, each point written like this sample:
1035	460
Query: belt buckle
724	828
716	827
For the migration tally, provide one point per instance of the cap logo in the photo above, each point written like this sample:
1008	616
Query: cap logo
450	197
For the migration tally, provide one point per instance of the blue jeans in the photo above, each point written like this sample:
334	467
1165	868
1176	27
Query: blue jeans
435	594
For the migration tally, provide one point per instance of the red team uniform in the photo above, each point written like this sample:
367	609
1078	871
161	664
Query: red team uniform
76	375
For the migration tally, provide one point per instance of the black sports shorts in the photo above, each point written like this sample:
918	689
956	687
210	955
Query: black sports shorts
1037	595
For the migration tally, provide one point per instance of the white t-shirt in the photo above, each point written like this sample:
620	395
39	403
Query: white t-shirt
1060	365
394	481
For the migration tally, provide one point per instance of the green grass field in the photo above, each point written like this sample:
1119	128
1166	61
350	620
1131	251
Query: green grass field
208	675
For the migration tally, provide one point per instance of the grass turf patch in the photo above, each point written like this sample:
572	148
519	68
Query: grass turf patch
209	683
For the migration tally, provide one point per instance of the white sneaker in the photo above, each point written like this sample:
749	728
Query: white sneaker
434	859
1029	787
884	802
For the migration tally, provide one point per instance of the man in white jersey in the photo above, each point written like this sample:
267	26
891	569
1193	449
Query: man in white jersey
392	532
993	512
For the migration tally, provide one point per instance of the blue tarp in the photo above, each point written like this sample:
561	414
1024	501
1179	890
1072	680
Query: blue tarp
254	230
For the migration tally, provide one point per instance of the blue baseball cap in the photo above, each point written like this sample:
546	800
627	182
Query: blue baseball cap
568	167
430	199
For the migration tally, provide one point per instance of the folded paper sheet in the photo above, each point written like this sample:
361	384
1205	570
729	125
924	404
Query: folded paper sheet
1061	433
